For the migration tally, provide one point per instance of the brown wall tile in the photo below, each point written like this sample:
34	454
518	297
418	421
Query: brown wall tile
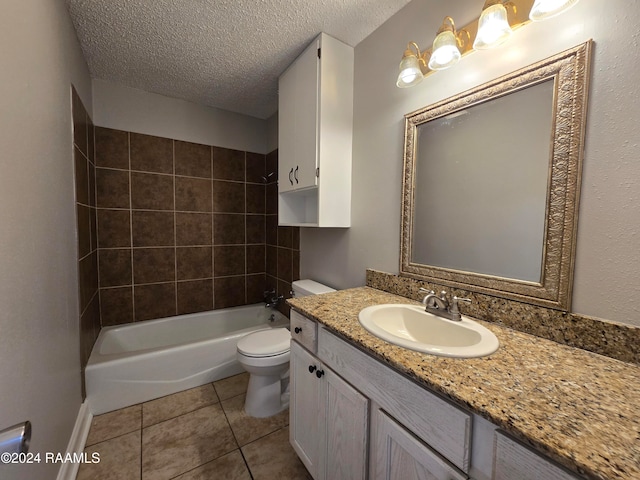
88	279
152	229
112	188
194	262
229	292
114	227
255	164
228	164
228	260
228	229
92	184
112	148
271	199
285	262
285	237
255	288
93	220
151	154
89	328
193	229
271	231
228	197
153	265
193	194
192	159
81	177
115	267
255	201
255	228
255	259
116	305
271	260
92	146
154	301
284	289
83	219
151	191
195	296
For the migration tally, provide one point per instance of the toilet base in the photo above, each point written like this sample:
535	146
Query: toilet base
265	396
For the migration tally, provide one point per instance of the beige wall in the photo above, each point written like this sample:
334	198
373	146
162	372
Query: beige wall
124	108
608	254
39	343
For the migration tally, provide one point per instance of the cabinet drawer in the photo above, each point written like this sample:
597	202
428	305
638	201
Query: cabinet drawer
514	460
436	421
304	331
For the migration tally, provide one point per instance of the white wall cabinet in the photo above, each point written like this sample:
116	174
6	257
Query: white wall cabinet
415	434
328	420
315	117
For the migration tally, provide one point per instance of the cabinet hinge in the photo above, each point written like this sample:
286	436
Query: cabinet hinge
318	172
319	52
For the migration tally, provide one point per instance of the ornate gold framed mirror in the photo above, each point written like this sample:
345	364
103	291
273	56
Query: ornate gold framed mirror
492	183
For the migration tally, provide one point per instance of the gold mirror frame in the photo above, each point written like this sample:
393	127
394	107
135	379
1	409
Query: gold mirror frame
570	72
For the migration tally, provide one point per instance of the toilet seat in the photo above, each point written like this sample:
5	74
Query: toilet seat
265	343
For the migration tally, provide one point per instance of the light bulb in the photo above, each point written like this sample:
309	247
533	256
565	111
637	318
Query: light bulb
493	27
543	9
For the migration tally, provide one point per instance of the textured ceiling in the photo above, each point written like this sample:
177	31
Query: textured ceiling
226	53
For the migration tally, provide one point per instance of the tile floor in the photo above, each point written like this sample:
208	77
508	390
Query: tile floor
198	434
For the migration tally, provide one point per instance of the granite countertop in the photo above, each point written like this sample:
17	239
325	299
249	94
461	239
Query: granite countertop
577	407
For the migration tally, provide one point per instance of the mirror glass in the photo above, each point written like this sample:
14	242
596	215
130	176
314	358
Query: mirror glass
491	184
494	184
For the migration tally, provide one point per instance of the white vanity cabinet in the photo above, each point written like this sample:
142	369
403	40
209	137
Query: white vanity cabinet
413	432
315	116
397	454
328	420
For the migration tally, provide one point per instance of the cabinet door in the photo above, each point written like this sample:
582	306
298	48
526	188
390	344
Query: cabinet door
397	454
305	432
346	412
298	122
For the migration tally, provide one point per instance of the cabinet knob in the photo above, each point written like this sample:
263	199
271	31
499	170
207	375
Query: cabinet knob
297	329
312	368
319	373
291	173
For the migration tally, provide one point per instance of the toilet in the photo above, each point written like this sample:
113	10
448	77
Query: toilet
265	355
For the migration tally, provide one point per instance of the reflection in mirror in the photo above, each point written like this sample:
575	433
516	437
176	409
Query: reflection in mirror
491	184
490	190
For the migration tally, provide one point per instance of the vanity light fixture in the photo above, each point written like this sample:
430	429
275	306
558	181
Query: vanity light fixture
543	9
411	67
447	45
494	26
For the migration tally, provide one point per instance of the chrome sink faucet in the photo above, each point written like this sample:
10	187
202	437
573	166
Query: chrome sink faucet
438	305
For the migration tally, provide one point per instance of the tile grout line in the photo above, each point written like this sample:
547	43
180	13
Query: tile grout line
130	210
175	225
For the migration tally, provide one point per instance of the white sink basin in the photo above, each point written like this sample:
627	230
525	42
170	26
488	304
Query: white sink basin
409	326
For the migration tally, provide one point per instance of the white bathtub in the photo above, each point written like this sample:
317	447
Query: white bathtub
138	362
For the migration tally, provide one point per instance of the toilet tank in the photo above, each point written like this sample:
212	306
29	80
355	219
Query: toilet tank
302	288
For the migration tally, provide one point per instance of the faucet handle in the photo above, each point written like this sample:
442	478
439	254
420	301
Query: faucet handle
454	310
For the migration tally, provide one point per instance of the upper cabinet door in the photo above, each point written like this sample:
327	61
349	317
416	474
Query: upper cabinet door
298	117
315	125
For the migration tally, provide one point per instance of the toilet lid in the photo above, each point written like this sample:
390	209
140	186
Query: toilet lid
265	343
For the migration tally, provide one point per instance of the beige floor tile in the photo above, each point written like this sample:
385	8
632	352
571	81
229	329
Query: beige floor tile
246	428
232	386
171	406
228	467
183	443
114	424
272	457
119	459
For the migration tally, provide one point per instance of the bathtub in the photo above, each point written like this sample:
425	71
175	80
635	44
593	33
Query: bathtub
138	362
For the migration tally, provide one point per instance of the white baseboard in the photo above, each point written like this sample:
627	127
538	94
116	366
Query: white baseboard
69	470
